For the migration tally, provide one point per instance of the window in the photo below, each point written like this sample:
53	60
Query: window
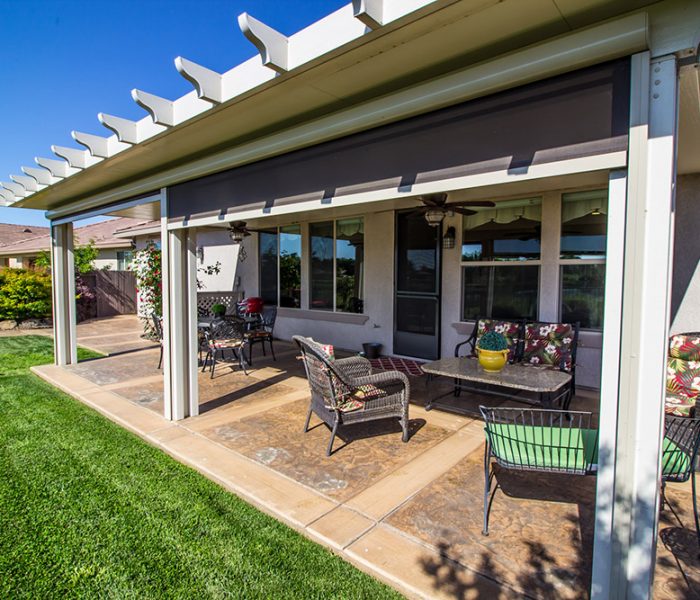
582	257
337	265
500	260
280	266
268	266
124	259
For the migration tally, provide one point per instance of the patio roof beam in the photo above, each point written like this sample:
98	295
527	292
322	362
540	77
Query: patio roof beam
28	183
42	176
99	146
577	50
128	131
78	159
208	83
15	188
57	168
272	45
369	12
7	196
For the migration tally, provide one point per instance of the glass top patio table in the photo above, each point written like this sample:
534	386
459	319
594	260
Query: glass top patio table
530	378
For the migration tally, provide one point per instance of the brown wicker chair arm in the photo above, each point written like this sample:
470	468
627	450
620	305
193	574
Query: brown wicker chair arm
353	366
385	377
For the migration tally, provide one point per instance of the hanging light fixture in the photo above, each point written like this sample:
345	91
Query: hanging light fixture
449	239
434	216
237	236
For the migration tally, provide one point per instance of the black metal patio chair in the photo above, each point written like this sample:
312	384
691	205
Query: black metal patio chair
534	439
679	456
345	392
263	332
226	334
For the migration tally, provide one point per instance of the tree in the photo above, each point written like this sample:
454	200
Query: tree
84	257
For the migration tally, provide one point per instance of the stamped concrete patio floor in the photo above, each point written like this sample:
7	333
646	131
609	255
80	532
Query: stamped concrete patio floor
409	514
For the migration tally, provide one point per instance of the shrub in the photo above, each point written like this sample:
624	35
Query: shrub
218	310
24	294
492	340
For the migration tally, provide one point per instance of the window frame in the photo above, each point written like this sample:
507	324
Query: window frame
463	264
335	264
562	262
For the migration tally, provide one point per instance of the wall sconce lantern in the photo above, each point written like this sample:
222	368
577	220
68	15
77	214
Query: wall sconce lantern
449	239
200	253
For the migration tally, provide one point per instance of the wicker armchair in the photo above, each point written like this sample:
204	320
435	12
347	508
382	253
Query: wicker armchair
345	391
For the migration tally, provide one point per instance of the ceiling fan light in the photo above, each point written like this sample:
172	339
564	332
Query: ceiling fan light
434	216
237	236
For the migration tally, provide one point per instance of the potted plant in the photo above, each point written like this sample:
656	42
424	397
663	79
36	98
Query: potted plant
218	310
492	351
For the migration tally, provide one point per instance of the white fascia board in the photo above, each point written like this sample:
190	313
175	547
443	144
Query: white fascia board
100	146
245	77
337	29
580	49
395	9
57	168
587	164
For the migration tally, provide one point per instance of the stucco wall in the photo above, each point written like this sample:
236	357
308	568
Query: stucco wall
106	259
685	291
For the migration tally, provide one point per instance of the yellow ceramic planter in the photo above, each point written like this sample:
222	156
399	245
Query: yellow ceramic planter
492	361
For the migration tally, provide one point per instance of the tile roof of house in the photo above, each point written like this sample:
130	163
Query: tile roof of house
11	234
102	234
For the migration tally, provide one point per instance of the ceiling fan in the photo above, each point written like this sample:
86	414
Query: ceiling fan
238	230
435	207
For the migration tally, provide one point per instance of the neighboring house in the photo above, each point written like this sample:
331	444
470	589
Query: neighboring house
580	121
115	253
12	234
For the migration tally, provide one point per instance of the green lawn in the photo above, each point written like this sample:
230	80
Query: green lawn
89	510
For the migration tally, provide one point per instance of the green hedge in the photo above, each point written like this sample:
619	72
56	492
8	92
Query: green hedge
24	294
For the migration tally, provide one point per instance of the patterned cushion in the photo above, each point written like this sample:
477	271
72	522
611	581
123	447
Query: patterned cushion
685	346
356	400
679	404
549	344
234	343
509	329
257	333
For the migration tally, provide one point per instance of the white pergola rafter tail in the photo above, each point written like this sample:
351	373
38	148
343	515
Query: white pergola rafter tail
161	110
128	131
208	83
102	147
57	168
369	12
78	159
29	183
42	176
15	188
272	45
7	196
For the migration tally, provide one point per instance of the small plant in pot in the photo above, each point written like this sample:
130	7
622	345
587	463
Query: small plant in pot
492	351
218	310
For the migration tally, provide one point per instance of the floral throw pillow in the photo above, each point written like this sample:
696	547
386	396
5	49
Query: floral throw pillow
549	345
685	346
509	329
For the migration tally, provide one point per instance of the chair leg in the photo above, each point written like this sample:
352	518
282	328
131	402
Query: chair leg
404	426
487	487
206	361
213	364
160	360
272	348
250	353
330	444
695	504
241	360
308	419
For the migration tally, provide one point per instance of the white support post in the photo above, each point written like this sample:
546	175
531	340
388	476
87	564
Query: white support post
63	286
637	315
179	268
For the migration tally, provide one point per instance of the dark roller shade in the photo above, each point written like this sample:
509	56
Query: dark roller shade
573	115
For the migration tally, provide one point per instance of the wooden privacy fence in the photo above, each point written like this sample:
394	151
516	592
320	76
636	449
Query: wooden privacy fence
114	293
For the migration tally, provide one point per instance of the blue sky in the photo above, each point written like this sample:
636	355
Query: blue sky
63	61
